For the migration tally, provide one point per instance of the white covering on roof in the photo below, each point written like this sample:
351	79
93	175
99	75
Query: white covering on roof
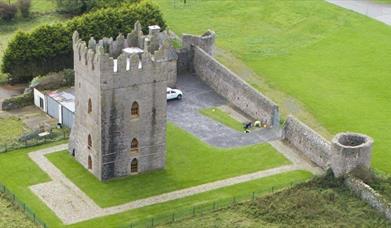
133	50
65	98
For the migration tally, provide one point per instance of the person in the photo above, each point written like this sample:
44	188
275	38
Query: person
246	127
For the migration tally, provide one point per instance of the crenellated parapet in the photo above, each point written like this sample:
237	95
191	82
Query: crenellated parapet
206	41
122	54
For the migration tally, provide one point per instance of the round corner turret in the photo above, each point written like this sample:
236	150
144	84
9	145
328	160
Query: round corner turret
349	151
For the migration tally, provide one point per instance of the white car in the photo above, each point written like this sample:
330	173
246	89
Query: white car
174	94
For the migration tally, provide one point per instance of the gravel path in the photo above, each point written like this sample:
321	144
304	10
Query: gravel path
72	205
377	11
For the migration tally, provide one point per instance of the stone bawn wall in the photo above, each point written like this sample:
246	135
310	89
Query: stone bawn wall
369	195
307	141
235	90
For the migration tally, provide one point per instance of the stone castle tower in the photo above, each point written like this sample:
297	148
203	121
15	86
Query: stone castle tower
120	90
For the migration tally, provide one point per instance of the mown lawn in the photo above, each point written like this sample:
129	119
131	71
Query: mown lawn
321	202
189	162
335	62
11	129
222	117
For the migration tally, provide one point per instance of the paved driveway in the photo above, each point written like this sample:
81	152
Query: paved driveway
185	114
377	11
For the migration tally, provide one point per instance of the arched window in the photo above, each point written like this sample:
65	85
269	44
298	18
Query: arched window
134	166
89	105
89	162
135	110
89	141
134	146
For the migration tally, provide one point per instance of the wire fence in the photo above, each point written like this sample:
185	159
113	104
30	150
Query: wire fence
6	193
33	139
207	208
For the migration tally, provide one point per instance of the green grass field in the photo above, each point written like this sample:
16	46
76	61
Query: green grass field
189	162
318	203
11	129
222	117
335	62
383	1
42	12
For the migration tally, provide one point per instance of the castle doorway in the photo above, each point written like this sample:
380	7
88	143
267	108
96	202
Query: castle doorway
134	166
89	162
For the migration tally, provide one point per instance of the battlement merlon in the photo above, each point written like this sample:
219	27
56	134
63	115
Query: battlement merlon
154	48
206	41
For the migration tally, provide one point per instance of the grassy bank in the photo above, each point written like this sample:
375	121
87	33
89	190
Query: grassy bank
10	216
322	202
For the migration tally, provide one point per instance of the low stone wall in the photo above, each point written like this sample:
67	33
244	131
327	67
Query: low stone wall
369	195
235	90
307	141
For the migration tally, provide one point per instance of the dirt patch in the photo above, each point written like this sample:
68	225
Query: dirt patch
33	117
7	91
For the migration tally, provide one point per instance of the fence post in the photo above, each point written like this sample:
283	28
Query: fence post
194	211
152	222
253	196
272	189
233	200
173	217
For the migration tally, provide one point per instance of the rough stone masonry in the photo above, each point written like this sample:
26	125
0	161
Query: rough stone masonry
120	88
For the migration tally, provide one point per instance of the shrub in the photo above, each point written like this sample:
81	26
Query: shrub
7	11
24	7
54	80
49	48
19	101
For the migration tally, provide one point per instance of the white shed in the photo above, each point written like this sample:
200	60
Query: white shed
40	100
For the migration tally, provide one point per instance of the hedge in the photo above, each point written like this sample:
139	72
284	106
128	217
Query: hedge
49	48
19	101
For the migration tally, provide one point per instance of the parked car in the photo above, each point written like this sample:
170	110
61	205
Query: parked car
174	94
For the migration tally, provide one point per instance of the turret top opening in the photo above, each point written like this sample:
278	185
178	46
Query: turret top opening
352	140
